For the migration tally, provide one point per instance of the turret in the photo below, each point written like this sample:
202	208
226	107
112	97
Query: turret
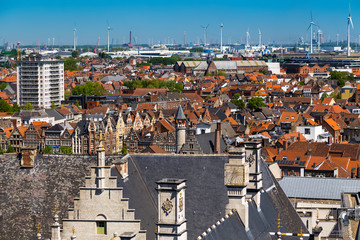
180	120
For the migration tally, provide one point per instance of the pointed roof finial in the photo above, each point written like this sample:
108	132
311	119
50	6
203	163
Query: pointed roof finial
38	228
73	229
55	209
279	224
180	115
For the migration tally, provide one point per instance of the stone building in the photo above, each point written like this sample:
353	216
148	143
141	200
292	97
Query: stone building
101	211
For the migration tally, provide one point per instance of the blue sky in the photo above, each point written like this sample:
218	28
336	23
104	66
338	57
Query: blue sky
282	21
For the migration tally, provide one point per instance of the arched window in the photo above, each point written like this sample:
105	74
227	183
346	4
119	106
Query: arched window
101	224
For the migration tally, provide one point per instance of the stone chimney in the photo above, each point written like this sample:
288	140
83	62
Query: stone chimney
336	172
218	133
171	209
236	181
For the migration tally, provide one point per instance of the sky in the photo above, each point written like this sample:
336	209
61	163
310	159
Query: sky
155	21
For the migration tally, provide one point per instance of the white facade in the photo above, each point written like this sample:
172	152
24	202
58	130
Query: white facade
40	81
274	67
313	133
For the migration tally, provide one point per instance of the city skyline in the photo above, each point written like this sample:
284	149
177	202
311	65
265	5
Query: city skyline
165	22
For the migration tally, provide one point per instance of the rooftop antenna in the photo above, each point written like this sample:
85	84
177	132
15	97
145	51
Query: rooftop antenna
337	39
53	43
348	31
205	34
108	29
311	33
74	39
259	37
221	37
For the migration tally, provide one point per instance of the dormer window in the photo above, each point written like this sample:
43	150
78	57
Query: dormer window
284	158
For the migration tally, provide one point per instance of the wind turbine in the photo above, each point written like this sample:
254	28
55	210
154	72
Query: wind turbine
205	33
259	37
348	31
74	39
247	38
108	29
318	38
221	37
311	33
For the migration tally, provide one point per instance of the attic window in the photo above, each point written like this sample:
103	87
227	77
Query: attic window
297	159
284	158
287	117
292	117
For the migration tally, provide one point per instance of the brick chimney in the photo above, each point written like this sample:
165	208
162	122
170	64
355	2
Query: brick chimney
218	133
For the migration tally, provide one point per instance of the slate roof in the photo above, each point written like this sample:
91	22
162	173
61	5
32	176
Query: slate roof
180	115
206	196
207	143
53	113
318	188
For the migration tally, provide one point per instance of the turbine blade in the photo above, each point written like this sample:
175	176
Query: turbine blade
311	16
352	25
309	27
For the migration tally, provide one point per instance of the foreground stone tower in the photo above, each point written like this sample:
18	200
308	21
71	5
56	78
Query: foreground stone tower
101	212
171	209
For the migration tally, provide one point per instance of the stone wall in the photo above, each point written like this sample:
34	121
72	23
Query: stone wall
28	195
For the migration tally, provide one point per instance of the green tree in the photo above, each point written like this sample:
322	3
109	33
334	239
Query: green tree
77	104
341	77
75	54
1	150
89	88
65	149
255	103
10	149
335	96
47	150
53	106
15	108
70	64
323	96
124	150
236	99
28	106
4	106
221	73
3	85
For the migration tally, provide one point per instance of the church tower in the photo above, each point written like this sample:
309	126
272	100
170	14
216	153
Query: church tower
180	120
101	211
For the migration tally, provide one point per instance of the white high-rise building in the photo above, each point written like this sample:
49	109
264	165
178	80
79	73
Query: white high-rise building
40	81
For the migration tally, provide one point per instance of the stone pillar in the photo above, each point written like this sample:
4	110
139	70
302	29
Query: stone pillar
236	181
55	229
100	171
171	209
253	157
